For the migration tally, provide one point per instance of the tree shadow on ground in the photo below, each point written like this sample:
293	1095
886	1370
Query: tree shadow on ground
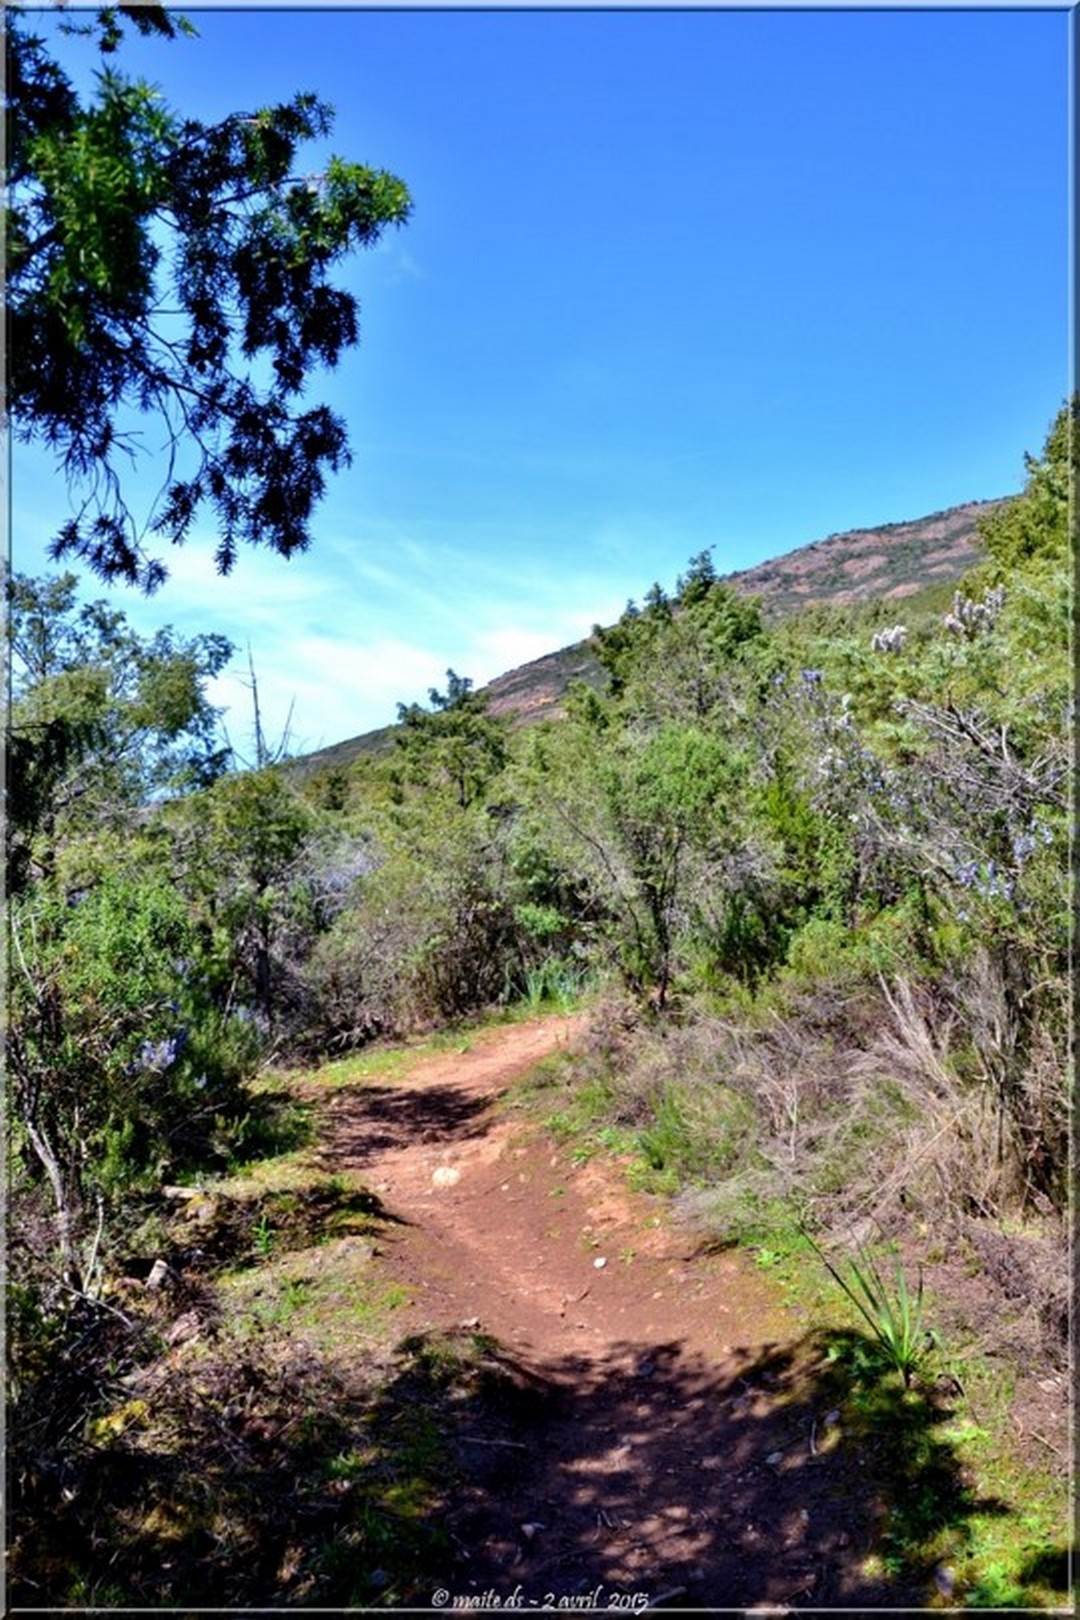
1052	1567
799	1478
238	1232
240	1481
365	1121
796	1480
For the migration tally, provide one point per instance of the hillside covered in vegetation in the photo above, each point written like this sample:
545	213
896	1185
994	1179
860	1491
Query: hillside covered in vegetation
808	870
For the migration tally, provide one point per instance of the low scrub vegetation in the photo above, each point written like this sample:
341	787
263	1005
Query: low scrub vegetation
817	870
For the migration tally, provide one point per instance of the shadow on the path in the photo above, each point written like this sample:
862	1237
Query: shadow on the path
365	1121
805	1478
799	1479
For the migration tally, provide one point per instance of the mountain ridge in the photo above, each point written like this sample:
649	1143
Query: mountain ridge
890	561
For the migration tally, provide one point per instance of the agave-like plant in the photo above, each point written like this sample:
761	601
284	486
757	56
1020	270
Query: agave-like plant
894	1315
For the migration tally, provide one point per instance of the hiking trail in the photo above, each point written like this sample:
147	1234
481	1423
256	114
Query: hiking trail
655	1440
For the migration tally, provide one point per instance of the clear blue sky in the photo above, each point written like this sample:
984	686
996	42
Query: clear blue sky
674	279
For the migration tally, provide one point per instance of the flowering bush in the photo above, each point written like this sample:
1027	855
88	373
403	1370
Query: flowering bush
122	1069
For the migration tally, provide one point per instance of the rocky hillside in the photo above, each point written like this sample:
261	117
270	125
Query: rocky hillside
890	562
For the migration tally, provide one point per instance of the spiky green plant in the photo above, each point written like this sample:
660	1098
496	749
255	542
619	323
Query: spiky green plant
893	1314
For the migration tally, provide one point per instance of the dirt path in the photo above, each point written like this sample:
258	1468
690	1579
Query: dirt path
651	1432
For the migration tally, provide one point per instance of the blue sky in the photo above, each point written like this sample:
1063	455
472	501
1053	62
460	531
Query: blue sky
674	279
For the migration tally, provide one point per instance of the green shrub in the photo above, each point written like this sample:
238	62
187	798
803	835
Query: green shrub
120	1063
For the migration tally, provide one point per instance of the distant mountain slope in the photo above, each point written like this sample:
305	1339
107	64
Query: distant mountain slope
891	562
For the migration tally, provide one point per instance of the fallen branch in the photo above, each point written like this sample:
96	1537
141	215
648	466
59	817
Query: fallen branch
99	1304
1049	1444
510	1445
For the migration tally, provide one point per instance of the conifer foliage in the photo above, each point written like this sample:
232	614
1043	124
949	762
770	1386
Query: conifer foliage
159	265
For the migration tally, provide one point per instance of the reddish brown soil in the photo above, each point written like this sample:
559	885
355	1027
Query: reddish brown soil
660	1426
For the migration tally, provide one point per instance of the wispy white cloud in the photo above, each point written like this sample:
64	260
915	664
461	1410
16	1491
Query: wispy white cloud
391	262
343	675
375	613
326	690
506	648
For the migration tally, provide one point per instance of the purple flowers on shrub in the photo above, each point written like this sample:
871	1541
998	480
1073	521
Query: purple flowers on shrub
984	880
155	1057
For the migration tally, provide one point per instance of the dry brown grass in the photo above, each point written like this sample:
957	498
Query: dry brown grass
870	1115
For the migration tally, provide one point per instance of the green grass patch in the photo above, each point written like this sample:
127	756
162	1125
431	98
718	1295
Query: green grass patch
332	1297
953	1494
581	1112
556	983
698	1132
383	1062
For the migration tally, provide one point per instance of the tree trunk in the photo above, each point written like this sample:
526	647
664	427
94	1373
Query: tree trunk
64	1223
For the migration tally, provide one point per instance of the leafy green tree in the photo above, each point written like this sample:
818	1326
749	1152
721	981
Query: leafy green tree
160	265
683	658
660	798
238	855
429	934
636	819
112	1026
456	742
1035	527
102	720
624	645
